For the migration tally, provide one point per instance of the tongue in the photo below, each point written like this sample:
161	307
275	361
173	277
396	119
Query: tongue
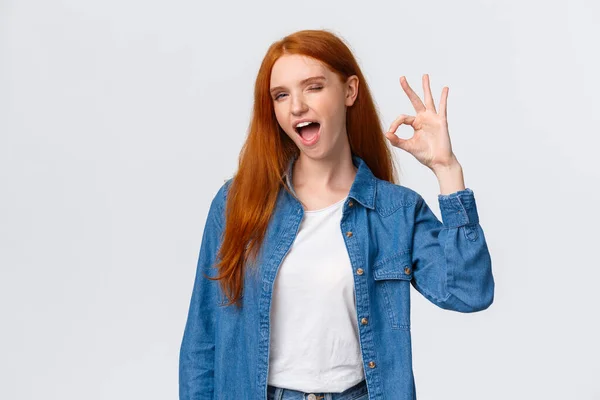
309	132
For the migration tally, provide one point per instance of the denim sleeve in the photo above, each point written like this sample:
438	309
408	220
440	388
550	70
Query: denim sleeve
197	352
452	266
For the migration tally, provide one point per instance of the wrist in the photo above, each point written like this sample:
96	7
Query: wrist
450	177
447	167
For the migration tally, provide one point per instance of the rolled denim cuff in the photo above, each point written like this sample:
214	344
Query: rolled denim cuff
458	208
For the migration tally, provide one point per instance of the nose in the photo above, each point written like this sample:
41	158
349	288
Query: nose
298	106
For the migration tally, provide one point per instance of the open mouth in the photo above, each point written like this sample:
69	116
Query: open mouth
309	133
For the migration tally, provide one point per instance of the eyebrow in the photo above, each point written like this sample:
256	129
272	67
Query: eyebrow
302	82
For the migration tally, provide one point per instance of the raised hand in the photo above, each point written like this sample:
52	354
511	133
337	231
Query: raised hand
430	143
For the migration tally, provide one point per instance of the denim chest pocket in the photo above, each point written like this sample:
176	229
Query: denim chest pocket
392	276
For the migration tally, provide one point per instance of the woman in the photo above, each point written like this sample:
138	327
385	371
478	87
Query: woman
302	287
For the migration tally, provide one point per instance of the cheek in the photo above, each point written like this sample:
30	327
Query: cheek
331	109
281	120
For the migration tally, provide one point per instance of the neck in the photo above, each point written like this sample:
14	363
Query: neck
335	173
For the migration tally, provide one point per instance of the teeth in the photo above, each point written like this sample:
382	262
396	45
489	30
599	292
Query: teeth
301	124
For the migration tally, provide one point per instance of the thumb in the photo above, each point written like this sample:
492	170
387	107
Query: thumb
396	141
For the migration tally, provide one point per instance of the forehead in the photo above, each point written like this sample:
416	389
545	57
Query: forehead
292	68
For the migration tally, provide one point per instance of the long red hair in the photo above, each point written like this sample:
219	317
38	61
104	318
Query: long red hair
267	151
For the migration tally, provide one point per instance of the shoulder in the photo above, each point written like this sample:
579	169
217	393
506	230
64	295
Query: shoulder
218	203
221	195
391	197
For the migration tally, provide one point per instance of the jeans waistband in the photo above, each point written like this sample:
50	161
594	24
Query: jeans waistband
352	393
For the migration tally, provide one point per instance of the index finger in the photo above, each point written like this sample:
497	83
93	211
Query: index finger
414	99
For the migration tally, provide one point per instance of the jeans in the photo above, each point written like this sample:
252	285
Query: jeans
356	392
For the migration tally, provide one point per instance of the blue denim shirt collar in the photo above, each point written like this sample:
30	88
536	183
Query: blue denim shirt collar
363	188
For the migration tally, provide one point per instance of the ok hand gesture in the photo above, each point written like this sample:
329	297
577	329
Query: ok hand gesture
430	143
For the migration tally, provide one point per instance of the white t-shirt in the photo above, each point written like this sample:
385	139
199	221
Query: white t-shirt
314	343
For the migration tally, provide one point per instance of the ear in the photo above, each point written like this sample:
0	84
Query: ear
351	90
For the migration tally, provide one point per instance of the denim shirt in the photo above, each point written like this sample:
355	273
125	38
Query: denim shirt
394	240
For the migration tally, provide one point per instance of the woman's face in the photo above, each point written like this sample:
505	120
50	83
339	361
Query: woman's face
304	89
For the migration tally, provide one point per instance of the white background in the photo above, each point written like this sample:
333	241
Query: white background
119	121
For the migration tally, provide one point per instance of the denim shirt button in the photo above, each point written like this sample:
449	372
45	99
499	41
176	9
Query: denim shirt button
349	233
364	321
407	270
350	203
359	271
371	364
